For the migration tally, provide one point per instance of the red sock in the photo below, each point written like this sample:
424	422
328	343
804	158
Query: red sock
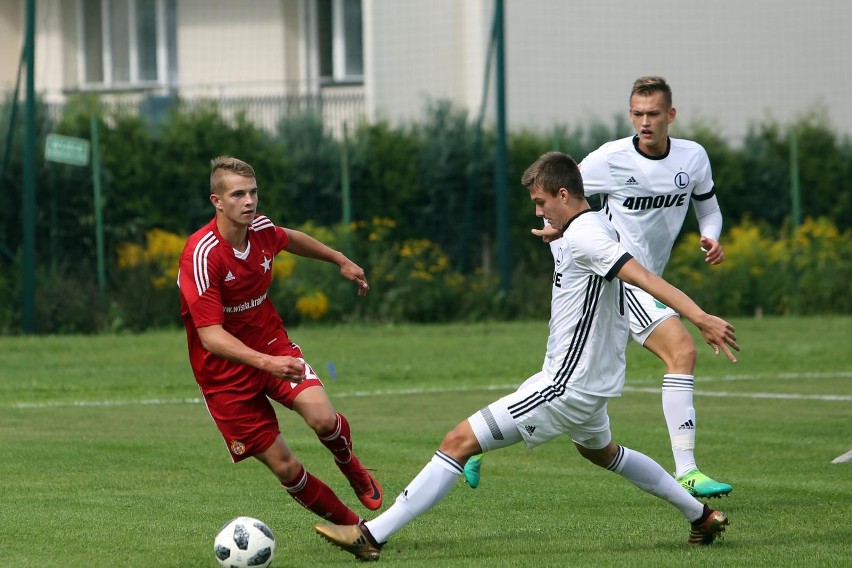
338	440
316	496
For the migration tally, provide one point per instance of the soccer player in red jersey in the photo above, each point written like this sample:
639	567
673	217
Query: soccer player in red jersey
239	350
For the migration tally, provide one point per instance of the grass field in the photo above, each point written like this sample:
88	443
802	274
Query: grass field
109	458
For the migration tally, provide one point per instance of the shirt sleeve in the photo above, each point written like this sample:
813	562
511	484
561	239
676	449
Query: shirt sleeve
200	286
282	238
704	185
709	217
595	171
595	250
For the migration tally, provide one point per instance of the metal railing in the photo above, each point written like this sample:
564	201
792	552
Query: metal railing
335	108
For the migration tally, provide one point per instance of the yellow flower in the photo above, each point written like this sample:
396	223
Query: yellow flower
283	266
312	306
129	255
162	252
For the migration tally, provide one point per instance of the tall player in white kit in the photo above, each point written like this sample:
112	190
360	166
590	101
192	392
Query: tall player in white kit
646	183
584	367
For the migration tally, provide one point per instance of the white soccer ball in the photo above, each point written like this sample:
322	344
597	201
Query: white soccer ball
244	542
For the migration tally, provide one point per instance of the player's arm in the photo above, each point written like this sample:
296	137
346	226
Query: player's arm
709	226
302	244
216	340
718	333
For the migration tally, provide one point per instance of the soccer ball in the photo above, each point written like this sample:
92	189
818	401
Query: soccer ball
244	542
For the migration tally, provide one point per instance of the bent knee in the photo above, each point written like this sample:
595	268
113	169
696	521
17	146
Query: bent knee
322	423
460	442
679	353
286	470
602	457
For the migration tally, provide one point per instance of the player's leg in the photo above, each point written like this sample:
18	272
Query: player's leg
649	476
303	487
473	466
659	330
489	429
332	429
249	427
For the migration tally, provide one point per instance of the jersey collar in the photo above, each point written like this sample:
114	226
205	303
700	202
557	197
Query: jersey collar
644	155
571	220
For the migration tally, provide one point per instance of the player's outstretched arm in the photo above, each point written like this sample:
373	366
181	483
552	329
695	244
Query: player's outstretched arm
305	245
718	333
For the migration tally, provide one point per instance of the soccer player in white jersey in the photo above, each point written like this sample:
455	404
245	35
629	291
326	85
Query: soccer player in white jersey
646	183
584	367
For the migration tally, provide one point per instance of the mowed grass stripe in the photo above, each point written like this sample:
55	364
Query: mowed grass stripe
491	388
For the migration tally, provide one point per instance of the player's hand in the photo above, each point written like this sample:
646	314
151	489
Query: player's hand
714	251
720	335
355	273
548	234
288	368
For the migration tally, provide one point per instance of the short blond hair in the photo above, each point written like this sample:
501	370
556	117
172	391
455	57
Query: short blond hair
228	164
646	86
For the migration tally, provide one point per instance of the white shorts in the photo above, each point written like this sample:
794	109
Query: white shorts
646	312
528	415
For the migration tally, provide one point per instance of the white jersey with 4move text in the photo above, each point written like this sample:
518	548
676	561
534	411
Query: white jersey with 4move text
588	316
647	197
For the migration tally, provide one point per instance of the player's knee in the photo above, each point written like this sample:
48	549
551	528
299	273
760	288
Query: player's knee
601	457
460	443
286	470
321	423
681	355
687	354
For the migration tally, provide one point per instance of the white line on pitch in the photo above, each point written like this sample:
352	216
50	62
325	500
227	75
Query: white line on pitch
421	391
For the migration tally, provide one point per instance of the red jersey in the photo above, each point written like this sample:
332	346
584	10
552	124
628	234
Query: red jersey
218	285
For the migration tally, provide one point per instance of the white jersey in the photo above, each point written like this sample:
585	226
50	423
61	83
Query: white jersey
589	319
647	197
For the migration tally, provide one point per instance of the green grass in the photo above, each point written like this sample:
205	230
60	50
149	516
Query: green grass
108	458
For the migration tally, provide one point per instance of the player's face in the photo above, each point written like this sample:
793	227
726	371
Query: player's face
651	117
238	199
551	208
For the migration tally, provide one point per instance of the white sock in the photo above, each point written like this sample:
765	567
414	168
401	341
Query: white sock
649	476
424	492
680	419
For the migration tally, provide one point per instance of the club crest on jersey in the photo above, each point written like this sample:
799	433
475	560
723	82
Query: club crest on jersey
681	180
266	264
237	447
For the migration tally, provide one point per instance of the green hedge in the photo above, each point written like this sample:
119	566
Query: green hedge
423	189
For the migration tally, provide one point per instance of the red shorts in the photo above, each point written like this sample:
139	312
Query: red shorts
243	412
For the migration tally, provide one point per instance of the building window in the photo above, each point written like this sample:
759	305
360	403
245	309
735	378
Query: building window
127	43
340	41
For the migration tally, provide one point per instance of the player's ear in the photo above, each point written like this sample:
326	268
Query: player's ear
214	199
672	113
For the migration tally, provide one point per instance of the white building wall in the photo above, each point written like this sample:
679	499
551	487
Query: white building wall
11	41
417	50
730	62
50	60
231	48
